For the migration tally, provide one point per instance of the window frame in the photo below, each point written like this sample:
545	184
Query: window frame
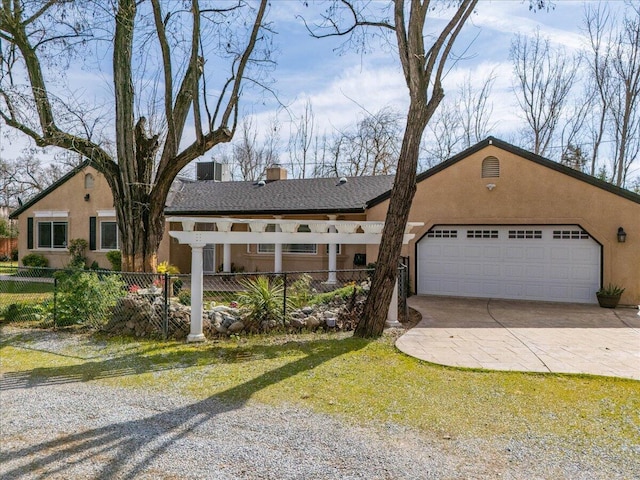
270	248
117	235
51	244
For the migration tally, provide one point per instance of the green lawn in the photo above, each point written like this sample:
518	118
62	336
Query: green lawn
8	267
363	381
24	289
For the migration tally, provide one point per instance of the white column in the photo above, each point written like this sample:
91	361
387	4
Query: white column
277	254
226	258
333	254
392	315
196	334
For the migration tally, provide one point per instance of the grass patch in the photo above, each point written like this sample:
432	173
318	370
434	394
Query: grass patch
364	381
24	293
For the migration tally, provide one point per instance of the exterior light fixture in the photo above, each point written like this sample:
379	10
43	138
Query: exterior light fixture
622	235
490	186
87	197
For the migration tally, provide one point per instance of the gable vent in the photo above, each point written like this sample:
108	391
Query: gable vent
490	167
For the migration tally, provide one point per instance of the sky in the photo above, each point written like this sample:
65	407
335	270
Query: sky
342	88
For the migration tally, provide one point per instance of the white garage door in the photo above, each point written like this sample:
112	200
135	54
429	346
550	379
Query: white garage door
554	263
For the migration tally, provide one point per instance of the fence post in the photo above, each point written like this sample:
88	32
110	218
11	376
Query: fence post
55	298
165	316
284	301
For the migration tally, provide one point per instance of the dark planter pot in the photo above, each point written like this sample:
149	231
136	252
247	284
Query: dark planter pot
608	301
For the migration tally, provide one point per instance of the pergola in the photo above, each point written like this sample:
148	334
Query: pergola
332	232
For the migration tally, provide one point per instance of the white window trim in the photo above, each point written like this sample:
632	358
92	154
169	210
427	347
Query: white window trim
107	213
51	214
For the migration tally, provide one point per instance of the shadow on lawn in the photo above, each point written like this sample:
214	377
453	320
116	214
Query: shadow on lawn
117	445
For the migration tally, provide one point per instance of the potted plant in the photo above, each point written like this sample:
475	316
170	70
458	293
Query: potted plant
609	296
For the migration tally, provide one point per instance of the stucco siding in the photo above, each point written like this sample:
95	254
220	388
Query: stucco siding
527	193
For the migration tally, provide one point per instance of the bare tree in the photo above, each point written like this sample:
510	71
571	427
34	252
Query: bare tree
596	23
543	81
445	135
302	141
25	177
613	60
181	45
475	110
459	123
423	67
625	105
251	156
373	147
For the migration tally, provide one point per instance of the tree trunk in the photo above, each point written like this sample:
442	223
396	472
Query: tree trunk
404	188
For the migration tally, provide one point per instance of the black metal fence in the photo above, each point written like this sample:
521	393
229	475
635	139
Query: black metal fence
147	304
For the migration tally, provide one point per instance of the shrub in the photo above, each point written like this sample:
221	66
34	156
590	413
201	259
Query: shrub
184	297
35	260
77	248
14	254
115	259
342	293
94	266
24	312
299	294
262	300
86	297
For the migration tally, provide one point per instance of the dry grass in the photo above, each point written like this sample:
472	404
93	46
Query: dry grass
363	381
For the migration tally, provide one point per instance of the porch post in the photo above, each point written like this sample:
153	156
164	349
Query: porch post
196	334
226	258
333	253
277	254
392	315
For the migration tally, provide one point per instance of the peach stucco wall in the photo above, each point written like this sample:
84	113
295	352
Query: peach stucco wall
70	197
528	193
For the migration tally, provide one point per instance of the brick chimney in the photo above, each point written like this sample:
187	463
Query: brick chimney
276	172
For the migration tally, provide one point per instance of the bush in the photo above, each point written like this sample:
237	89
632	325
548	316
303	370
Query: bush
115	259
86	297
35	260
24	312
299	294
342	293
184	297
262	301
77	248
14	254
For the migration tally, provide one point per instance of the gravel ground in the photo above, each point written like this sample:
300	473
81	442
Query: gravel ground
70	429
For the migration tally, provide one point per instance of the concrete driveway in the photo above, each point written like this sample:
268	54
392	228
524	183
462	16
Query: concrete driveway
525	336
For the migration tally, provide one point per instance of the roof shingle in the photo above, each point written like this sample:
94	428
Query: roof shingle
321	195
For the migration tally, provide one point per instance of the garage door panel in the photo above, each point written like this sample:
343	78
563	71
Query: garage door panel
472	252
534	253
545	267
535	272
559	272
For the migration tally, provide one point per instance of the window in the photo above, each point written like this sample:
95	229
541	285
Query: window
442	234
52	234
490	167
88	181
338	249
109	236
482	233
525	234
570	235
308	248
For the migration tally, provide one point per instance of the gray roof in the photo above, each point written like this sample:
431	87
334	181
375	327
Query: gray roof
312	195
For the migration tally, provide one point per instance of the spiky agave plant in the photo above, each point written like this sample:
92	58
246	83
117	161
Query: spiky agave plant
262	300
